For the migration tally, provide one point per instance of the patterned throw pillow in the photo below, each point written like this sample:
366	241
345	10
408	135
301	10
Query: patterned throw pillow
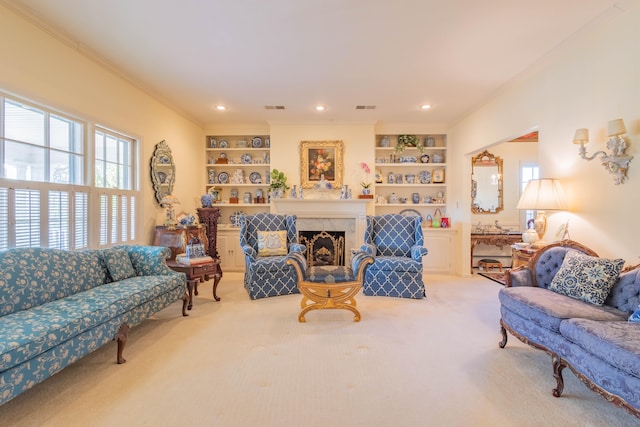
118	264
635	316
586	278
272	243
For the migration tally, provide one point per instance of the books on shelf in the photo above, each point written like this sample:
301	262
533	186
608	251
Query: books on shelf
183	259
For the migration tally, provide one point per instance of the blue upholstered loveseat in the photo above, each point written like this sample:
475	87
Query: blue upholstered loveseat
597	342
57	306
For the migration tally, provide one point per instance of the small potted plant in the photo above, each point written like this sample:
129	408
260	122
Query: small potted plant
365	183
278	184
409	141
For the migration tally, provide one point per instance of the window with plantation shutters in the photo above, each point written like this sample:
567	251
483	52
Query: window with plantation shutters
52	193
59	220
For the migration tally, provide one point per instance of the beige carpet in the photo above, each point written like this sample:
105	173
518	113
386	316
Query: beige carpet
238	362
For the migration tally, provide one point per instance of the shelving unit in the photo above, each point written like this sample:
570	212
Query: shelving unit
388	162
251	157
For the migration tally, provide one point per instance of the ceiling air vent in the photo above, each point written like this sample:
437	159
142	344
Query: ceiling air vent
274	107
365	107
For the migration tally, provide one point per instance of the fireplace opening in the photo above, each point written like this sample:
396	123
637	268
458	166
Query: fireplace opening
323	247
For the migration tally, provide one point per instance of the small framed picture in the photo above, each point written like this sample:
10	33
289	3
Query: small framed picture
438	176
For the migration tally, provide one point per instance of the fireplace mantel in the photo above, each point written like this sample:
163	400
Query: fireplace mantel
321	208
349	216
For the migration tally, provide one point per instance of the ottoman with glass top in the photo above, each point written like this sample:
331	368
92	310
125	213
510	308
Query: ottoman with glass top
332	286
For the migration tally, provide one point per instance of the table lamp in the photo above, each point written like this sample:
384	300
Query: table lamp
542	195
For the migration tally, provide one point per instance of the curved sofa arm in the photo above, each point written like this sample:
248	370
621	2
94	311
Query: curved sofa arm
520	276
417	252
297	248
369	248
359	263
298	262
249	252
148	260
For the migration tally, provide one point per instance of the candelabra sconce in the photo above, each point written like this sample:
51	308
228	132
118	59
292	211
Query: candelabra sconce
616	162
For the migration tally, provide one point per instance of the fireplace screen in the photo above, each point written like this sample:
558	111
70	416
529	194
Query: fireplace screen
323	247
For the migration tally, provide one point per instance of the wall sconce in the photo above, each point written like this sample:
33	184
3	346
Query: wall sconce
617	162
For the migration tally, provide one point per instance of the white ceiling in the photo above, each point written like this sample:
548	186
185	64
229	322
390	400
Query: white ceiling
247	54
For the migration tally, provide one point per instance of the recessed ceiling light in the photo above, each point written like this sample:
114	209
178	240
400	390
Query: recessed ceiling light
220	107
425	106
320	108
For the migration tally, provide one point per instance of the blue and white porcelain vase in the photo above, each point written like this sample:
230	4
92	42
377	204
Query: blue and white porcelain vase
206	200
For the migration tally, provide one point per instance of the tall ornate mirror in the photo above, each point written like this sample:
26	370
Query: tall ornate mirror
163	171
486	184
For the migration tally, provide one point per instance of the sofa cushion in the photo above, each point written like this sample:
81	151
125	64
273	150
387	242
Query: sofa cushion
272	243
635	316
616	343
33	276
330	274
119	264
548	309
585	277
392	263
27	333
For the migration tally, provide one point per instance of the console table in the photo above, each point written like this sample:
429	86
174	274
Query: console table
495	239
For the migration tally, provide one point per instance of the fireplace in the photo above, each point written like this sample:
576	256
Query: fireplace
330	215
323	247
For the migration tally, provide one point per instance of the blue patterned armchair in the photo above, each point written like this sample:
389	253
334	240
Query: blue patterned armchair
395	241
267	276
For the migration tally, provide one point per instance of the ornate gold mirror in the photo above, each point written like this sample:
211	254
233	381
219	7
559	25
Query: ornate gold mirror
163	171
486	184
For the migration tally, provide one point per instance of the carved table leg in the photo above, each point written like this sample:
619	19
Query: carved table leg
558	366
190	286
216	280
121	338
185	302
503	331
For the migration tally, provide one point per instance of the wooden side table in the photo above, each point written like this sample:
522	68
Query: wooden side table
199	273
522	255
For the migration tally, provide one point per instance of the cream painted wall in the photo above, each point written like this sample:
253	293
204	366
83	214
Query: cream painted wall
357	138
590	79
45	70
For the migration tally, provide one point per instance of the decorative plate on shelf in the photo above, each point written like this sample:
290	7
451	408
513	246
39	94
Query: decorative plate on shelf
223	178
223	143
256	142
246	159
255	178
425	177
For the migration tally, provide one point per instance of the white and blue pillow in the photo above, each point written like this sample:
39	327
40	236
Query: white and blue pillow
635	316
585	277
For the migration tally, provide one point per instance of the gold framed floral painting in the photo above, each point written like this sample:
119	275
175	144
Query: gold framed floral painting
318	159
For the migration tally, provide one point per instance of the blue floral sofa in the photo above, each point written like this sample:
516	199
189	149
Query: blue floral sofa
57	306
579	308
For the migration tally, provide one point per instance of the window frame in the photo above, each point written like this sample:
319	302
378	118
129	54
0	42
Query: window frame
80	226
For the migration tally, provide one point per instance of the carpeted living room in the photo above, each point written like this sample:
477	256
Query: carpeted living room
319	213
239	362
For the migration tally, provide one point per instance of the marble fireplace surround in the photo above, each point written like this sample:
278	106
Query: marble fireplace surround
328	215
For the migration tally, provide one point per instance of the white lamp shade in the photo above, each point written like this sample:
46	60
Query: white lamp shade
616	127
581	136
543	194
